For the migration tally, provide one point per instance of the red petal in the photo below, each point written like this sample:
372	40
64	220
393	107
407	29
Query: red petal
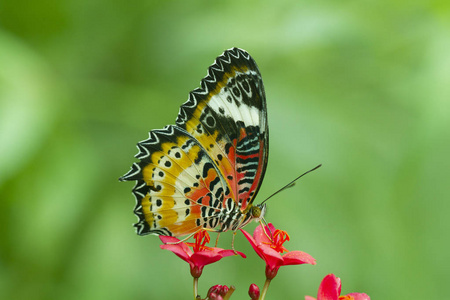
359	296
260	233
225	253
272	258
203	258
169	239
249	237
330	288
174	241
298	258
253	243
180	249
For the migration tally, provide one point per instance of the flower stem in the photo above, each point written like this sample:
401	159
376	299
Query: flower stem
265	288
230	291
195	287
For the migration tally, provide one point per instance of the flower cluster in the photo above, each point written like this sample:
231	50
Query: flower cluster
268	243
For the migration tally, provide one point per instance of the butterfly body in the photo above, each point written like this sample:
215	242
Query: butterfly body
205	171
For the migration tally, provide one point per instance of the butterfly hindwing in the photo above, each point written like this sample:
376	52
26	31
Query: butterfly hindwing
175	183
205	171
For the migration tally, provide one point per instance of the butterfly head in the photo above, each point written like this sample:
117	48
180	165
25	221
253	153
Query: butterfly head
258	211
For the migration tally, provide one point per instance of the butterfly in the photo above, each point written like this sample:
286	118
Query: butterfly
204	172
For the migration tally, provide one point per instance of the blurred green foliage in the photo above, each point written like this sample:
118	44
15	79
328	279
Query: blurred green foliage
360	86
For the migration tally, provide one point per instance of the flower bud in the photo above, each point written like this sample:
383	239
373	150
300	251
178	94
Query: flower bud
217	292
253	291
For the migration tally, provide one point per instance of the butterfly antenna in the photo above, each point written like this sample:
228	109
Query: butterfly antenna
292	183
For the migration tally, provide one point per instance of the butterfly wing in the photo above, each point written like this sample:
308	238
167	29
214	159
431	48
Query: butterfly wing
228	115
177	184
196	173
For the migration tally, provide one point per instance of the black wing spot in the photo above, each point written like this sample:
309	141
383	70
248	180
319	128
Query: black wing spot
236	92
203	209
199	128
168	164
210	121
206	168
227	147
229	204
219	192
245	86
213	223
158	202
217	203
214	182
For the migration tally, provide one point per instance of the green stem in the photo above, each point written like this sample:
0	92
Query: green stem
195	288
230	291
265	288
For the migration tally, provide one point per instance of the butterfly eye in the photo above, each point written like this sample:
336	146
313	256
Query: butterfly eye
256	212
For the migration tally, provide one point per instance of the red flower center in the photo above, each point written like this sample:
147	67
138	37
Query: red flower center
278	239
201	239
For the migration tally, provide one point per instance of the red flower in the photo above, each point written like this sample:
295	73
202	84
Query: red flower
330	289
218	292
271	250
202	254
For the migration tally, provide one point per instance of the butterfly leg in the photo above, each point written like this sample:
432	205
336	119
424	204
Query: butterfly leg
183	240
217	239
232	243
264	226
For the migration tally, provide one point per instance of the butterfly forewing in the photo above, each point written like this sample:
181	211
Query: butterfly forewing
230	108
209	166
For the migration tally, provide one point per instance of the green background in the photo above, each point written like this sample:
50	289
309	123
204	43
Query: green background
362	87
